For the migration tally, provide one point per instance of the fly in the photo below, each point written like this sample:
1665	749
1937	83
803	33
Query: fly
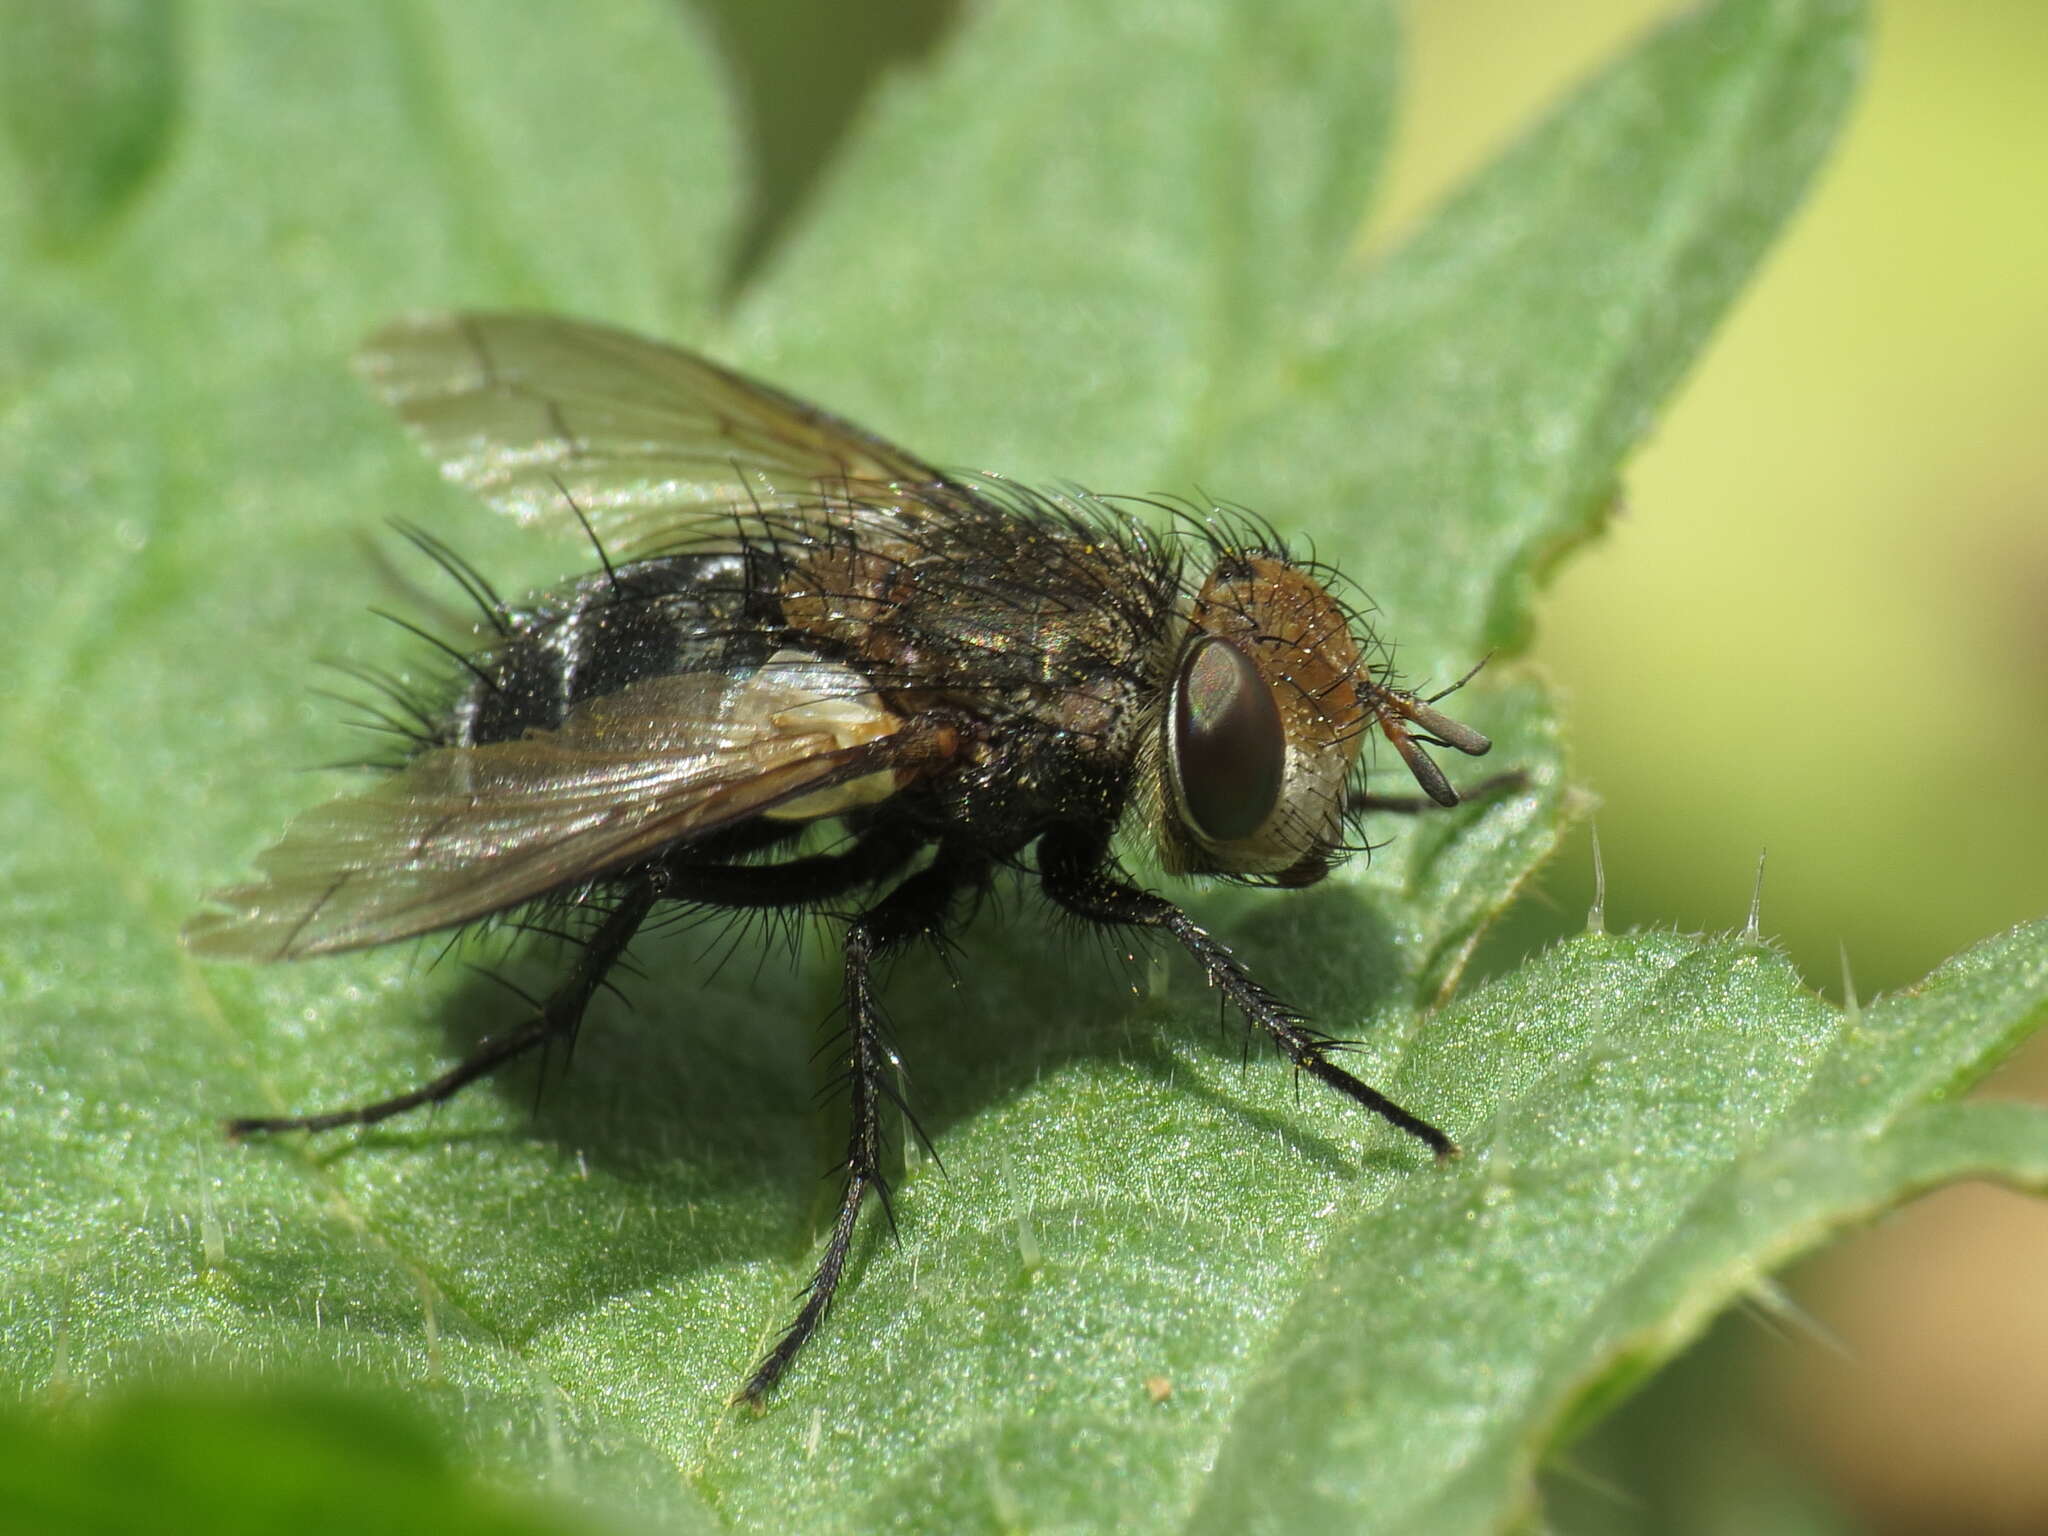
797	622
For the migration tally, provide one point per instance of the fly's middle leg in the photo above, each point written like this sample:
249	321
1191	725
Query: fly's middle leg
917	908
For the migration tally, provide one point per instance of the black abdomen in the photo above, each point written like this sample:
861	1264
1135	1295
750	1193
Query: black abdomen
653	618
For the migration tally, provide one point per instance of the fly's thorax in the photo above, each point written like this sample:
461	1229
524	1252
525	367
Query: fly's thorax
1262	726
846	588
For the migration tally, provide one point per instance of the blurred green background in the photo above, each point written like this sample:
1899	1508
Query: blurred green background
1820	624
1820	627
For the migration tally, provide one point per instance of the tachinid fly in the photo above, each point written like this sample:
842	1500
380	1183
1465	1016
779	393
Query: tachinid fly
797	622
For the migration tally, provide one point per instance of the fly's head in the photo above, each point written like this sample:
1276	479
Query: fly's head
1270	703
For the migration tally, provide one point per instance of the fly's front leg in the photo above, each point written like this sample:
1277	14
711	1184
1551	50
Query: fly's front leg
558	1018
1078	875
915	909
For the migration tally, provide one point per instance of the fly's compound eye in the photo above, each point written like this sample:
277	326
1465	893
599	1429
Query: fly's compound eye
1229	746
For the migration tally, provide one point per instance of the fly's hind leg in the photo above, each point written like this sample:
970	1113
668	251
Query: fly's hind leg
558	1018
872	857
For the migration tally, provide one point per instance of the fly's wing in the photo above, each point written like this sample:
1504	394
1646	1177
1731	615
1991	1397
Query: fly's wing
553	420
463	832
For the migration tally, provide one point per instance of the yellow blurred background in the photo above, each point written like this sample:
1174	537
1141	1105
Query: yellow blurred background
1821	628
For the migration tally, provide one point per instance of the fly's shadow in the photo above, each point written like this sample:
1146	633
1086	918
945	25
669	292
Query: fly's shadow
696	1104
725	1040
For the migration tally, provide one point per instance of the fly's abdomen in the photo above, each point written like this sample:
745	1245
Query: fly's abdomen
653	618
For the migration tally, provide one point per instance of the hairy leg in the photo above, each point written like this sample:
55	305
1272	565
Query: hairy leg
558	1017
873	857
793	881
914	909
1078	874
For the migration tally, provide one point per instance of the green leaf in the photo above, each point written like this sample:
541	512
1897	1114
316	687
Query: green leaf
1086	249
1488	378
1666	1120
1113	244
88	95
231	1462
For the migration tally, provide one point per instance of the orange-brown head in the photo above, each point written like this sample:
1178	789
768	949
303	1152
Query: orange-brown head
1271	702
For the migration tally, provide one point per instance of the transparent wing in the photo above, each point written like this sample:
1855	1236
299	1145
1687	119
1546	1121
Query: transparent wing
648	442
461	833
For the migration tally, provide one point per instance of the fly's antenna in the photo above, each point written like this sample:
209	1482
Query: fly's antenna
1396	712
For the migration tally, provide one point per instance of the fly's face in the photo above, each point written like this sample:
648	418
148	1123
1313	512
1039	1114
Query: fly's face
1270	704
1262	727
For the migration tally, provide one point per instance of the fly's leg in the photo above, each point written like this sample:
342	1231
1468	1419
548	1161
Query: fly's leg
737	885
1415	805
796	882
1078	875
558	1017
916	908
